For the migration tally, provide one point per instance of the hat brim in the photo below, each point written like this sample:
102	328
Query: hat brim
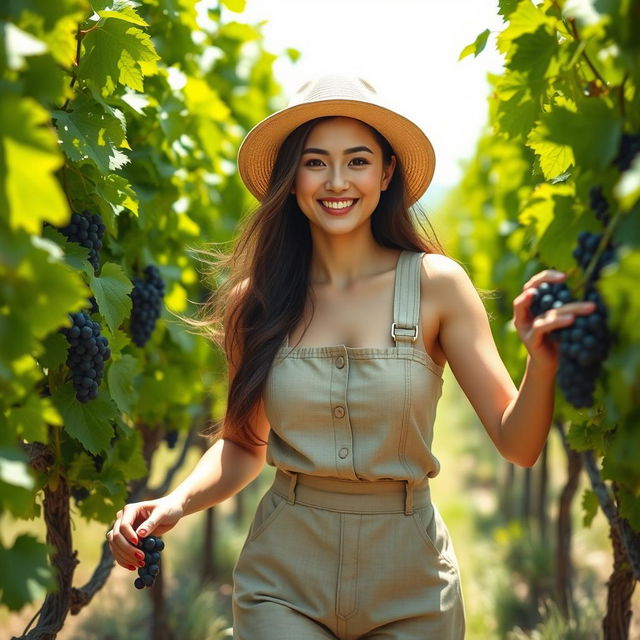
258	151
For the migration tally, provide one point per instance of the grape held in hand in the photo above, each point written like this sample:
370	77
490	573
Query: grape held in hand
152	547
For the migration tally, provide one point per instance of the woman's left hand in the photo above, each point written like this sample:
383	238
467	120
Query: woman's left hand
534	330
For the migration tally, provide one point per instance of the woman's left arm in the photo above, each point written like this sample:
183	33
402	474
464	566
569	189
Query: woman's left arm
517	420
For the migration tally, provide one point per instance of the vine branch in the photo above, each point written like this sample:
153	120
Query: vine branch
629	537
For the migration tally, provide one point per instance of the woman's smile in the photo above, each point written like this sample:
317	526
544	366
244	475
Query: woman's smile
338	206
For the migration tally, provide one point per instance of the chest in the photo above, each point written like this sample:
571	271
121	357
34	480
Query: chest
361	316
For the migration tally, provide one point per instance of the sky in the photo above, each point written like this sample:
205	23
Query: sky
407	49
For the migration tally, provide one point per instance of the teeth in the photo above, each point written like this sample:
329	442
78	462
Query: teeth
337	205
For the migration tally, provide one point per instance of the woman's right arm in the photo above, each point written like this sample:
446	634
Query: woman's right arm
222	471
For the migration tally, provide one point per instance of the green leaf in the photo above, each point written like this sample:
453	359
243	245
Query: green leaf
516	110
30	420
235	5
533	54
590	507
582	436
29	192
44	289
126	13
111	290
293	54
526	18
591	133
89	133
507	7
25	574
477	46
120	378
117	53
117	192
88	422
629	507
55	351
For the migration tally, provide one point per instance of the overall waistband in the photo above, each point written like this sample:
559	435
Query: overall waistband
356	496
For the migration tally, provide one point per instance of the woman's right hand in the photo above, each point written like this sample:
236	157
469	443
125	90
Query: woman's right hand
138	520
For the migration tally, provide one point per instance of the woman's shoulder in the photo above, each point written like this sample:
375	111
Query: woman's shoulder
442	269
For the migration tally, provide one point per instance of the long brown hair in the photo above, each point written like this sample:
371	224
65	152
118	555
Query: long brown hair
263	296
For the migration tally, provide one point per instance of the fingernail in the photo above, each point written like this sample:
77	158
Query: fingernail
134	540
142	532
141	564
140	556
131	568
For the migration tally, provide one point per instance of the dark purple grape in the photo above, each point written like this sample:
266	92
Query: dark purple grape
629	148
86	355
152	546
147	295
86	229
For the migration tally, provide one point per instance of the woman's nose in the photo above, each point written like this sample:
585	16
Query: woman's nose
336	181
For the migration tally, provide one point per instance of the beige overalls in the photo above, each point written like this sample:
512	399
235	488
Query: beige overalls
346	542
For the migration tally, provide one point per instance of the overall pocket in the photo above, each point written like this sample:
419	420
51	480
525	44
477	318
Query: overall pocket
269	508
435	534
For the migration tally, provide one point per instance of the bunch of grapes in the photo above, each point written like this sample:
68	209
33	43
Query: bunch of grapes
171	438
629	148
147	297
587	245
599	204
87	229
584	344
79	493
86	355
152	546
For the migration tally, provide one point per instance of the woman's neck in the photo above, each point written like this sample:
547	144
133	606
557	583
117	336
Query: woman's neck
339	260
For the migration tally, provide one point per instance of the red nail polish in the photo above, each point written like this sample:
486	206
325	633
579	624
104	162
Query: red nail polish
134	540
131	568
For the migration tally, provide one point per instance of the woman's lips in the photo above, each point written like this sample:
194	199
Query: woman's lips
339	212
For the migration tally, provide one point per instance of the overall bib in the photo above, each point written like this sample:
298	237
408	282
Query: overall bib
346	542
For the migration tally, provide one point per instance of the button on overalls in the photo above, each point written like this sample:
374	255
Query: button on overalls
346	542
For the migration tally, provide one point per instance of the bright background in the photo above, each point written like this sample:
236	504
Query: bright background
407	49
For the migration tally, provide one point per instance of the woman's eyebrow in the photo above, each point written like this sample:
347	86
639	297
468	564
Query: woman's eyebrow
324	152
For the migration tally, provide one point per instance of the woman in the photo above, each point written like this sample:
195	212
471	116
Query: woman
339	320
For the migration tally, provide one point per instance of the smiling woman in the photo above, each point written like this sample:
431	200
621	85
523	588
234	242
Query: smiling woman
347	542
338	181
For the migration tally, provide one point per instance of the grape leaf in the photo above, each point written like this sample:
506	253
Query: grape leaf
113	55
90	133
235	5
590	506
31	194
120	378
111	290
88	422
30	420
477	46
25	574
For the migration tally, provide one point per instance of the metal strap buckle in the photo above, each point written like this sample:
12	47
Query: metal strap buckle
394	326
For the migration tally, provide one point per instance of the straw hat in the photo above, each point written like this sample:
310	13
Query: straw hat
336	95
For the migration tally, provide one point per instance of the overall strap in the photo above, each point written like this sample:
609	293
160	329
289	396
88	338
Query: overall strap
406	301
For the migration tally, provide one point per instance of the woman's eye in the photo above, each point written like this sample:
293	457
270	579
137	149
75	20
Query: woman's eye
359	162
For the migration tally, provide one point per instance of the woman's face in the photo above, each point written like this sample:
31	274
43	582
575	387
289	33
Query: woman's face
340	175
